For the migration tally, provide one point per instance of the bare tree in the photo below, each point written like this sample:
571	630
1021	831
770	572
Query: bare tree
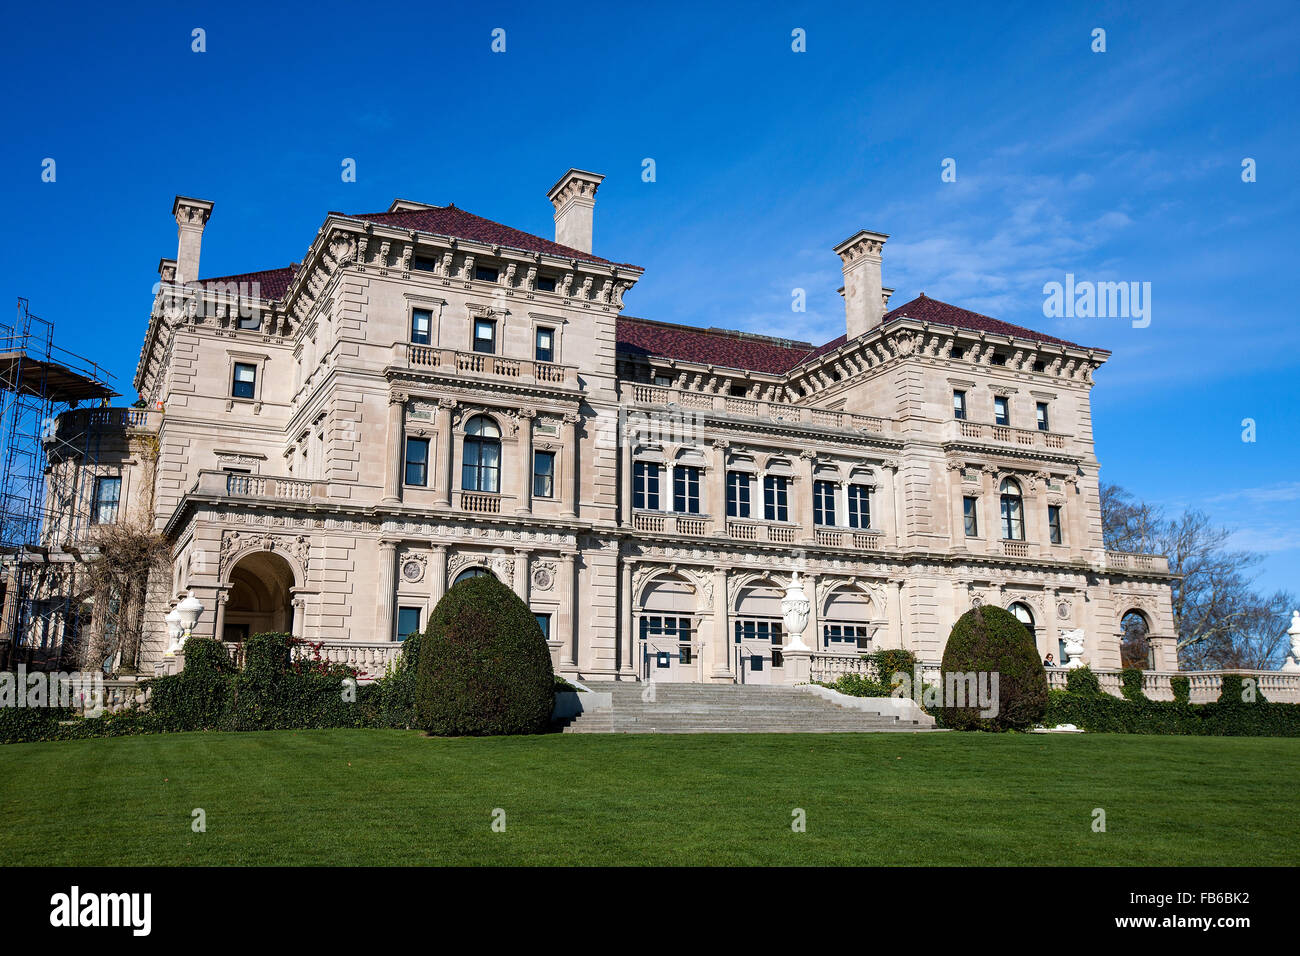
1218	616
126	555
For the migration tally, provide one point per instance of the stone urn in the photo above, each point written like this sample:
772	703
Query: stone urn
1293	661
794	611
1074	647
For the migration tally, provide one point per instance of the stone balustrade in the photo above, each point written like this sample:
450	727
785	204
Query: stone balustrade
1123	561
961	429
235	485
776	412
487	366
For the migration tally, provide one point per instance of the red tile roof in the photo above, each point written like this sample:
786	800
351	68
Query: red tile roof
450	221
271	283
742	350
925	309
738	350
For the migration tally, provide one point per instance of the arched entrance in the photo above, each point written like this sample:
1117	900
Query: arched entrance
1134	644
846	621
759	633
260	598
666	630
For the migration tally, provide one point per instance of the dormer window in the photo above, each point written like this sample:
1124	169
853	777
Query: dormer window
424	264
999	359
486	274
546	283
739	391
663	381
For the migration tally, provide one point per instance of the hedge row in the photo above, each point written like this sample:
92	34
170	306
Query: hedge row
887	663
272	692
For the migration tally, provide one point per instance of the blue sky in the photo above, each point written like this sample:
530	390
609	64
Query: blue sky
1123	165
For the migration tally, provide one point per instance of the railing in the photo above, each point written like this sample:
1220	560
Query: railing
1279	687
235	485
756	531
839	537
757	408
1005	434
483	365
1121	560
1015	549
79	419
659	523
480	503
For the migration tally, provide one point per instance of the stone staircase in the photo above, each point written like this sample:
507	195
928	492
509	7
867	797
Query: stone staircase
724	709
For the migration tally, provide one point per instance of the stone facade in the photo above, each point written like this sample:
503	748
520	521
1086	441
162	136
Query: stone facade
428	393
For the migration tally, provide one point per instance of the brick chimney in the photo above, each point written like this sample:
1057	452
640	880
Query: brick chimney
864	295
574	199
191	216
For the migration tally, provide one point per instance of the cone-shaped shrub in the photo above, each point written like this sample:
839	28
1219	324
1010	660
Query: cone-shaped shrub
484	666
988	640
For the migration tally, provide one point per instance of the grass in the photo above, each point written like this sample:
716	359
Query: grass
393	797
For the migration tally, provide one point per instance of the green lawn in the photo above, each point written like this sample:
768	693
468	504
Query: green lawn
392	797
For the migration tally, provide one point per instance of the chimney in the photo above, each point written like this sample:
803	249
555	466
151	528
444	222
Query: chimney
191	216
574	199
864	296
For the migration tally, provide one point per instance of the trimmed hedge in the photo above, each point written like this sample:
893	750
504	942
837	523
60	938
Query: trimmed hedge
887	663
1130	684
989	640
484	667
1107	714
1182	688
1081	680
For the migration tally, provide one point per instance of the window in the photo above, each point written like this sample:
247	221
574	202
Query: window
859	506
664	381
544	474
417	462
739	391
421	321
1042	416
245	381
544	622
485	336
686	489
545	351
249	323
847	637
970	516
645	486
759	629
546	283
424	264
472	573
1025	616
999	358
824	502
669	629
1054	524
108	492
775	505
486	274
408	622
959	404
1013	519
737	494
1001	414
481	467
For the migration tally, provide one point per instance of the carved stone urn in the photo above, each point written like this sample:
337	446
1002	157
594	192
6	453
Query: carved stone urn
794	610
1074	647
1293	661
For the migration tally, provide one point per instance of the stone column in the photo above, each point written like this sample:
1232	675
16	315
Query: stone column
1073	507
396	447
812	635
386	592
888	504
299	604
520	574
956	492
569	496
721	628
437	575
897	639
219	626
443	456
567	616
625	477
990	508
626	655
525	495
804	502
718	487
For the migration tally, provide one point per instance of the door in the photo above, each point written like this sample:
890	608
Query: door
757	651
667	654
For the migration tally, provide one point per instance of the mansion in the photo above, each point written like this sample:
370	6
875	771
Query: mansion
328	446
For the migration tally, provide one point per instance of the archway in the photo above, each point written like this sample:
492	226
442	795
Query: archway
666	630
1134	644
260	597
846	621
759	633
474	572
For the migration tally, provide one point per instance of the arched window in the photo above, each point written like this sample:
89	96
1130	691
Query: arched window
472	573
481	467
1135	646
1024	616
1013	511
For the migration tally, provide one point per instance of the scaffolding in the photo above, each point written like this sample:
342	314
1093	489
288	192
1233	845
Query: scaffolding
46	489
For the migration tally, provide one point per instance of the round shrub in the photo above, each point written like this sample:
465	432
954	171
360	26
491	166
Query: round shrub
484	666
1081	680
985	641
